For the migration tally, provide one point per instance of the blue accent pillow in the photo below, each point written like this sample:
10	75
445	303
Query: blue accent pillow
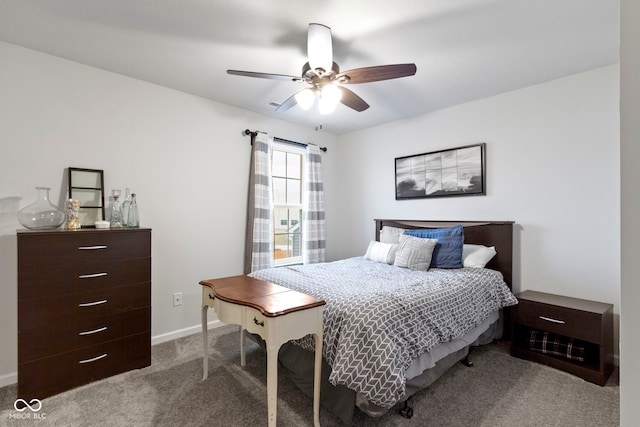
448	251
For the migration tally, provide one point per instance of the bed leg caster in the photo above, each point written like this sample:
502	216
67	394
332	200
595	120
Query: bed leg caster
467	362
406	410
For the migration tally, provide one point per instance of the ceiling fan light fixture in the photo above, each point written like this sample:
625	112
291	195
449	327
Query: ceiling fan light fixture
329	98
319	47
326	86
326	107
305	98
331	93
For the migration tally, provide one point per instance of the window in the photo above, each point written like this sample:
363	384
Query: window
287	178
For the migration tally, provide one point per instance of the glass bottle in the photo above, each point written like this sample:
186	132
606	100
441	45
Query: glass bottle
116	210
41	214
133	219
125	206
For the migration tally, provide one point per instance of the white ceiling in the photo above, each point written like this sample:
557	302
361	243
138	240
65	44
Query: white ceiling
463	49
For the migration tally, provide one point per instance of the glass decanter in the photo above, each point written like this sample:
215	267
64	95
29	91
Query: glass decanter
133	219
42	214
116	210
125	206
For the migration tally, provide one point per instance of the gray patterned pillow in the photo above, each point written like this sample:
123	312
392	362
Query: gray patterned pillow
391	234
415	252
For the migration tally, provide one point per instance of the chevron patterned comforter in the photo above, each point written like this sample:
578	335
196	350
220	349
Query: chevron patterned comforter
379	318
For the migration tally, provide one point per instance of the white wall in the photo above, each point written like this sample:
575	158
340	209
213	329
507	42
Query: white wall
552	167
184	156
630	206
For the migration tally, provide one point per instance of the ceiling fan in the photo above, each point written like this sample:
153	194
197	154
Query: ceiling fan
323	79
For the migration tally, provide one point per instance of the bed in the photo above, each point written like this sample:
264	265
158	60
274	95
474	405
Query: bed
390	331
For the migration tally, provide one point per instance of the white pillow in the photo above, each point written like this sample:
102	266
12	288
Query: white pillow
415	252
391	234
477	256
381	252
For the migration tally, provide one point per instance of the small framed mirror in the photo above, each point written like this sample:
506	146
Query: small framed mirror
87	186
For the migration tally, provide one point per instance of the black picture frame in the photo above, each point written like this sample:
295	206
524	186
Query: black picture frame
456	171
87	186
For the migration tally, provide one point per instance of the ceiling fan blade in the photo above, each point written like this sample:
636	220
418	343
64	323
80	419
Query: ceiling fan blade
290	102
376	73
319	47
351	100
263	75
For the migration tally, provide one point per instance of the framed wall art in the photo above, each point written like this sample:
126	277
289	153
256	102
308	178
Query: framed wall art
87	186
453	172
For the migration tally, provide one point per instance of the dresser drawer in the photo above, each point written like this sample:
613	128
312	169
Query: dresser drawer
62	337
80	306
51	375
45	249
78	277
564	321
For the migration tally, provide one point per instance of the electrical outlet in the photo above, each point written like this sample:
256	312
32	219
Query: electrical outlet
177	299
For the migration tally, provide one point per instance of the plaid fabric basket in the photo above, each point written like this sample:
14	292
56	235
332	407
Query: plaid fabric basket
556	345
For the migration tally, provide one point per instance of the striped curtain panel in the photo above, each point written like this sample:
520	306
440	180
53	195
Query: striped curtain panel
259	241
313	224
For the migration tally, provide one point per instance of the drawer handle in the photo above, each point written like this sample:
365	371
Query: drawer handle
89	304
255	320
91	276
93	359
92	248
104	328
549	319
212	297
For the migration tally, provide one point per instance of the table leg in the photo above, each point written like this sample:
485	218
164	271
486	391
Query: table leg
316	380
242	357
272	383
205	344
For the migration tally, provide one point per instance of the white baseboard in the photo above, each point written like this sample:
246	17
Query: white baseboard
169	336
12	378
8	379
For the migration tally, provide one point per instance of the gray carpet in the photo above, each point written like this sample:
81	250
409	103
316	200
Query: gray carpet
498	391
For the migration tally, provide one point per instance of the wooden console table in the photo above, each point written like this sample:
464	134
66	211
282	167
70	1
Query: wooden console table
275	313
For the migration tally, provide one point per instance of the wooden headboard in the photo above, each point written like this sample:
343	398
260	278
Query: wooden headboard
489	233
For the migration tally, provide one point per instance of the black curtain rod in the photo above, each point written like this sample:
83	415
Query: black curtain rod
286	141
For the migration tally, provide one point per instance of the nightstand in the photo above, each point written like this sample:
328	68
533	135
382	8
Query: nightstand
589	323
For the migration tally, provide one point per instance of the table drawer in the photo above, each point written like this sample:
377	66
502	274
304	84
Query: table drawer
559	320
43	249
254	321
62	337
228	312
81	306
51	375
36	281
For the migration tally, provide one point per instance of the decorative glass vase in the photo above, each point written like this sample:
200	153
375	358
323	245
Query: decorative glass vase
42	214
116	210
133	218
125	206
73	208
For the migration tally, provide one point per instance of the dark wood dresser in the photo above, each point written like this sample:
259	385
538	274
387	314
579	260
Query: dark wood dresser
588	323
84	307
